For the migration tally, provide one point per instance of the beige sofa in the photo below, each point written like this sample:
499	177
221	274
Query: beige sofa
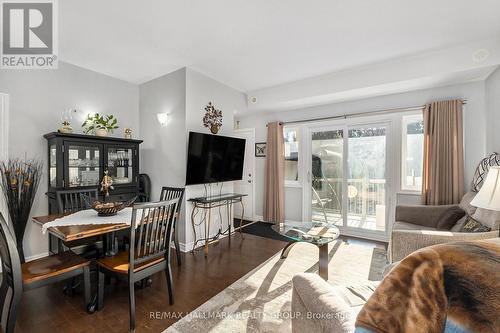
415	227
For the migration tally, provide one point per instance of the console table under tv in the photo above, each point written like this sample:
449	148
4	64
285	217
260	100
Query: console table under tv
206	204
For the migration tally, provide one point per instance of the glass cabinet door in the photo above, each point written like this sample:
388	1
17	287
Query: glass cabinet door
120	164
83	164
53	165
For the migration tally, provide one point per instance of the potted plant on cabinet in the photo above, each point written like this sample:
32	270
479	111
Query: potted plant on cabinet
19	182
100	125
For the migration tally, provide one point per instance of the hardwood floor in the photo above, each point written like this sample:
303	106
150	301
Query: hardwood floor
196	281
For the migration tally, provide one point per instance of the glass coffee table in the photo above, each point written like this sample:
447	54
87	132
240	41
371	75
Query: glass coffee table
316	233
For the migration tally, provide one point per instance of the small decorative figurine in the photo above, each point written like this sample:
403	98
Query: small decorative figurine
106	184
128	133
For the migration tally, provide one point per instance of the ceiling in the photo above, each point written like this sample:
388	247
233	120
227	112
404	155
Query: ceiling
255	44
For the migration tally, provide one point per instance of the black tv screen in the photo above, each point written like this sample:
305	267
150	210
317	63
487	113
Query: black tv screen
214	158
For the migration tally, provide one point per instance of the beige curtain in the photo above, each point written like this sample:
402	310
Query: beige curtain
443	172
274	188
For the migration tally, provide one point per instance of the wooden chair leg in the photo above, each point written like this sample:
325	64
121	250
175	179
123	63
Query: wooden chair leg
100	290
86	286
170	286
131	303
177	249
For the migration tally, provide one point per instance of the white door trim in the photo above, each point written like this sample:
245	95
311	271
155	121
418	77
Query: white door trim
251	131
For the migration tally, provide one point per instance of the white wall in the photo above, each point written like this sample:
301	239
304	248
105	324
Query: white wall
200	90
4	141
475	129
184	94
37	98
163	152
493	111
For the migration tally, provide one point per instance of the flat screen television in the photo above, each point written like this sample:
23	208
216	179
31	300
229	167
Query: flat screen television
214	158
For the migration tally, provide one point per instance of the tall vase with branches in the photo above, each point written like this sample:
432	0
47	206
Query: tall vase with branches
19	182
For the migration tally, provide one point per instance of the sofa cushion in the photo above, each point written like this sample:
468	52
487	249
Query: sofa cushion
409	226
449	218
465	203
488	218
459	225
320	298
471	225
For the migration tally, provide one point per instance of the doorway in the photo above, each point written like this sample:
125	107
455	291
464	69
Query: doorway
348	176
247	184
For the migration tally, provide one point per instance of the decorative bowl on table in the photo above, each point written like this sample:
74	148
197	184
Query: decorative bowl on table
108	208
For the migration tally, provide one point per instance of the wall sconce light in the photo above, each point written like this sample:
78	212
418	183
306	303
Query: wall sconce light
162	118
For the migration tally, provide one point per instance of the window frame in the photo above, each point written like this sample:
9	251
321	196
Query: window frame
298	131
405	120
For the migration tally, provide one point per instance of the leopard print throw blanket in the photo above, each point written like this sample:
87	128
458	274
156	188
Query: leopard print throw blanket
453	287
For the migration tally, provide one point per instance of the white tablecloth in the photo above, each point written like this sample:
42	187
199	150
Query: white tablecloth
89	216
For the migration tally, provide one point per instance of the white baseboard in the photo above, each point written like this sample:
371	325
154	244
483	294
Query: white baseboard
33	257
37	256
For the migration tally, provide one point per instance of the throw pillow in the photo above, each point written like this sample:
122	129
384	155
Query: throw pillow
465	203
472	225
460	224
449	218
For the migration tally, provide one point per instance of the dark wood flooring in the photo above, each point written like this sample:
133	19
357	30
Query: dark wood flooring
196	281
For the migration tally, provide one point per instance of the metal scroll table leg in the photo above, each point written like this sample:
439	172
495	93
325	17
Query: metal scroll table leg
229	206
207	231
323	261
194	227
287	249
242	214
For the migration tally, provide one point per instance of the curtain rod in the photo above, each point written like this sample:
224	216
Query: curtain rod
358	114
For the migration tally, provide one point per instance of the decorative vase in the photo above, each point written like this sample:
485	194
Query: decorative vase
19	180
101	132
214	129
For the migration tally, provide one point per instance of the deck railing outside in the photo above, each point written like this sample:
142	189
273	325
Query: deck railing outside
364	195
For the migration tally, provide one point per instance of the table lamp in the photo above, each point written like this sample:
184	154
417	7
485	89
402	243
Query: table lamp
488	196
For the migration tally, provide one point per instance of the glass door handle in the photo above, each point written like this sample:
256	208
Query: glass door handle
309	176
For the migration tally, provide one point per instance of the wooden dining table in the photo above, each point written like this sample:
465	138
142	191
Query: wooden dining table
78	232
75	232
70	233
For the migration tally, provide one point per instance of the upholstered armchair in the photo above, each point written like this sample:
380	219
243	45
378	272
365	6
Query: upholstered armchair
415	227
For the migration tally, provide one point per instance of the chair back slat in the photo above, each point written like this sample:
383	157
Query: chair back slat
169	193
12	282
70	201
151	234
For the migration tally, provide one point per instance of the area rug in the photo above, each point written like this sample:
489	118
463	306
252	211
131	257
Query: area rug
261	300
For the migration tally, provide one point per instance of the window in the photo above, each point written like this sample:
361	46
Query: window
412	153
291	137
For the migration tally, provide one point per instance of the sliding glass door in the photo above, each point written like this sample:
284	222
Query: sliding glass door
347	175
327	175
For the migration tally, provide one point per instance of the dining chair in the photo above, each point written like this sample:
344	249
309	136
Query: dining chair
18	277
144	188
168	193
149	251
70	201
